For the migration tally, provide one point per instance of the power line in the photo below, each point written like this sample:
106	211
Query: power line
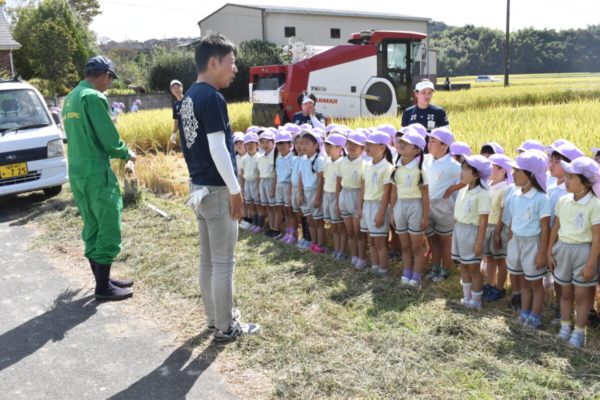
145	6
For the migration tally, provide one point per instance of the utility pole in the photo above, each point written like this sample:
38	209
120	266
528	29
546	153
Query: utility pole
507	44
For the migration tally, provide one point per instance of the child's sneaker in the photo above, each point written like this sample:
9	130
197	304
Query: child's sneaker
464	301
473	304
515	302
577	338
375	268
236	329
292	240
301	243
285	238
405	281
361	264
442	276
341	256
565	332
415	284
277	235
318	249
258	230
353	261
494	294
382	271
433	273
522	319
334	255
533	323
486	289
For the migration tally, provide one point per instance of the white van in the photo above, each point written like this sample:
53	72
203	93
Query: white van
32	154
486	78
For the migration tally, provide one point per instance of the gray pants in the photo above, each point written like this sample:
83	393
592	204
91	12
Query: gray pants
218	236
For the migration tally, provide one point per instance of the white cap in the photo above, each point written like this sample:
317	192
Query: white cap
424	85
175	82
306	99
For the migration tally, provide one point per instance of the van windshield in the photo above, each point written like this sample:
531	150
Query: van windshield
21	107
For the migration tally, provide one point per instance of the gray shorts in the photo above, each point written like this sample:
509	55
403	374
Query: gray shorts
349	203
522	252
282	194
367	223
295	197
408	214
251	192
308	208
571	259
441	217
329	212
489	250
265	192
464	239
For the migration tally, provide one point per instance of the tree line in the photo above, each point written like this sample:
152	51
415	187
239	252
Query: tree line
471	50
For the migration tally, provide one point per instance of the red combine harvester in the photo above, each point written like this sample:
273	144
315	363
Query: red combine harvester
373	75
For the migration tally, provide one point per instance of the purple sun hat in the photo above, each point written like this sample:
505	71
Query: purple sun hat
586	167
460	149
404	130
557	143
495	146
238	137
283	136
268	134
568	150
114	105
534	161
414	138
121	105
252	129
314	134
595	150
357	137
389	129
420	129
444	135
293	128
56	110
336	139
483	167
137	103
251	137
530	144
379	137
306	126
331	127
503	161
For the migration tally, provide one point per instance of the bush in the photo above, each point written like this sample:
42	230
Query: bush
169	65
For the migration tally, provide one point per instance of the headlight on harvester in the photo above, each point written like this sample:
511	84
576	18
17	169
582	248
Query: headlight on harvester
56	148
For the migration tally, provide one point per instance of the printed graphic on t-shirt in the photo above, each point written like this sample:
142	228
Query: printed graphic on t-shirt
188	119
528	214
579	220
408	181
468	206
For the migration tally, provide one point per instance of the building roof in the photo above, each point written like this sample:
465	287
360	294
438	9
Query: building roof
321	11
6	40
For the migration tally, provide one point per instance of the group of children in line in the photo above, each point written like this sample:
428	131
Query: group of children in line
116	109
537	213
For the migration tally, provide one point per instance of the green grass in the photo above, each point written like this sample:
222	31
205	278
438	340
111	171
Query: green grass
330	331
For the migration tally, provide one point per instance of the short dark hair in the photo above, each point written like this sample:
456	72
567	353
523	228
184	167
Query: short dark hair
487	149
557	156
474	171
95	73
212	45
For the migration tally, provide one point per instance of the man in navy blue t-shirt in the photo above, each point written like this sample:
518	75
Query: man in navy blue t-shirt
177	91
207	144
308	115
424	113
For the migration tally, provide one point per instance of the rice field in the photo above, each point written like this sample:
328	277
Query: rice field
542	107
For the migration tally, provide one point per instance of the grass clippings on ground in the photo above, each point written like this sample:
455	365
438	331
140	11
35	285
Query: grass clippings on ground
330	331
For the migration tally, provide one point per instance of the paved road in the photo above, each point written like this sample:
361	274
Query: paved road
57	342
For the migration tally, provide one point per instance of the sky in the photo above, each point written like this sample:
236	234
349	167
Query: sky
147	19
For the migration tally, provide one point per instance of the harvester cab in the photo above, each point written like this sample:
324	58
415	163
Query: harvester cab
372	75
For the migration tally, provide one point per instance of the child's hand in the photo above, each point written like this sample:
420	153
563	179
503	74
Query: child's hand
424	224
478	249
359	213
337	209
379	220
540	261
448	193
301	199
497	241
273	192
551	261
317	202
588	273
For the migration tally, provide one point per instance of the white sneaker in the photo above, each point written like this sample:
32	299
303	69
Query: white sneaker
405	281
565	332
246	225
236	329
415	284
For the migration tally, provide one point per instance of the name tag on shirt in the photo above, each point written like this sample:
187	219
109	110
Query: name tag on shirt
438	176
579	220
374	178
269	169
354	176
528	216
287	167
334	176
430	124
255	165
408	181
468	206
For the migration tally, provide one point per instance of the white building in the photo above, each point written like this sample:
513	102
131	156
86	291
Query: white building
317	27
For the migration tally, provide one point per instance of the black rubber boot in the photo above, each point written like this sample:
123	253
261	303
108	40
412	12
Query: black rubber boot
106	290
122	283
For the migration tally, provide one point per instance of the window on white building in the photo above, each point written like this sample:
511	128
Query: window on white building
290	31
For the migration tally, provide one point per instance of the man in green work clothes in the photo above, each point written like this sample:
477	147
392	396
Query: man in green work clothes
93	141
